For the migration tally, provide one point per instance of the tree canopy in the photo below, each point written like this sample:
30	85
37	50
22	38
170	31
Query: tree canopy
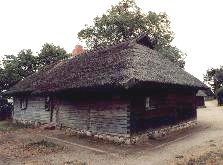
50	54
214	77
16	67
126	20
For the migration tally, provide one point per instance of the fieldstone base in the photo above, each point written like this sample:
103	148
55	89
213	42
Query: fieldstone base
114	138
158	134
27	123
24	122
49	126
167	131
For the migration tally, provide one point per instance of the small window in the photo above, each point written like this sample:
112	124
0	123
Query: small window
147	102
47	103
23	103
149	105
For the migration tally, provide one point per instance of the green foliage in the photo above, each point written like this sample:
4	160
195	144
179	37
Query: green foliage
50	54
15	68
9	126
27	63
5	109
174	54
43	143
126	20
214	77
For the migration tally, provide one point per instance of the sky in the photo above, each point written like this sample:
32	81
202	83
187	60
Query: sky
28	24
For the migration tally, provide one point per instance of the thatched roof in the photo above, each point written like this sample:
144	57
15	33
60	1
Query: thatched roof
116	65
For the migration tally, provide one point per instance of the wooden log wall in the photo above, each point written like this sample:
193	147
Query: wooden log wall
168	109
35	110
101	116
110	116
72	114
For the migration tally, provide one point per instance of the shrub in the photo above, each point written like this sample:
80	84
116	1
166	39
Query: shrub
5	109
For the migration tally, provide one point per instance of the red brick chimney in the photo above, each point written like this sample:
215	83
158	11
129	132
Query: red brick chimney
78	50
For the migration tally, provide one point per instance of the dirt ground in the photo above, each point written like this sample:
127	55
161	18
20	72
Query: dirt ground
200	145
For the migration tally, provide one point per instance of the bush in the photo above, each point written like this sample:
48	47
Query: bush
5	109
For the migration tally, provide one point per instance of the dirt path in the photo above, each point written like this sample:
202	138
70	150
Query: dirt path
81	151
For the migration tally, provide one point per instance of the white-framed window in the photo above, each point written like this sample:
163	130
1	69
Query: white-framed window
147	102
149	105
47	103
23	103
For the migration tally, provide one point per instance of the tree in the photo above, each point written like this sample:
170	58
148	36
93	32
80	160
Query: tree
2	80
50	54
16	68
174	54
214	77
126	20
27	62
9	73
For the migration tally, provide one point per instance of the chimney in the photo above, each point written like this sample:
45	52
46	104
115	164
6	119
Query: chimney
78	50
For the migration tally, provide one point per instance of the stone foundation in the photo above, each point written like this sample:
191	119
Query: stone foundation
27	123
167	131
159	133
113	138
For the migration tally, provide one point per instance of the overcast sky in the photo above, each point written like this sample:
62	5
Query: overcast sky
28	24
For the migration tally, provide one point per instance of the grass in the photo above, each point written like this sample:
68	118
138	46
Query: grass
179	156
75	163
211	157
43	147
9	126
43	143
